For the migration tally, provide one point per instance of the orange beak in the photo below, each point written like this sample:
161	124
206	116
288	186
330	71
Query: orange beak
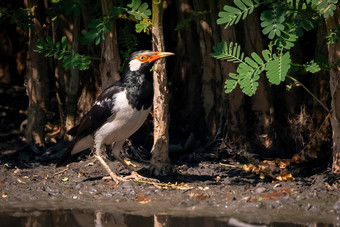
157	55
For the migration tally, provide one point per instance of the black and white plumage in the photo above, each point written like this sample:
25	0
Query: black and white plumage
119	111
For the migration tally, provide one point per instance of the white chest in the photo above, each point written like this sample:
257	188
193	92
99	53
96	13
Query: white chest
123	124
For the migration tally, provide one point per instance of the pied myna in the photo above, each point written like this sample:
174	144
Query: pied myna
119	111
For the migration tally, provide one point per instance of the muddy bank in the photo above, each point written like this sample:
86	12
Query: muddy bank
199	187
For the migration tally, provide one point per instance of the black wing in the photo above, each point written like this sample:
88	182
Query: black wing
99	113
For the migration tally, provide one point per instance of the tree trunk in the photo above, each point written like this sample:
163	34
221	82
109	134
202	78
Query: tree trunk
260	102
333	57
110	60
37	81
236	128
73	86
211	74
160	163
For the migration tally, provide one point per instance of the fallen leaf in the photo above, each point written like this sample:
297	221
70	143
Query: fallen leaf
20	181
129	163
227	165
4	195
269	162
283	164
147	201
26	177
200	196
285	176
141	197
284	191
65	179
96	196
228	198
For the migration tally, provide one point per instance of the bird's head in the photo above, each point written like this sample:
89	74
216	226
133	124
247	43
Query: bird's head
144	59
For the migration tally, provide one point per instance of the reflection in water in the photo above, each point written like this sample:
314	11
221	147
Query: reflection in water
84	218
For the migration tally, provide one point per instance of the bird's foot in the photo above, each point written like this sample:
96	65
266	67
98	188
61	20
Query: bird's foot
114	177
134	176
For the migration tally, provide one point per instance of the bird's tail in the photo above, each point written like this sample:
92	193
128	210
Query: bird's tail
67	157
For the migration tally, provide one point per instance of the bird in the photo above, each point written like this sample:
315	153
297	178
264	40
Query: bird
118	112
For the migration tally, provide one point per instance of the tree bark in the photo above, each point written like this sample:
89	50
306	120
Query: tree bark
236	129
110	60
334	57
37	80
260	102
73	86
160	163
211	74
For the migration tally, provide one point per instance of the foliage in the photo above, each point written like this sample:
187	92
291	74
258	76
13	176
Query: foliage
333	36
312	67
139	10
283	22
325	7
99	29
63	52
21	17
232	15
249	68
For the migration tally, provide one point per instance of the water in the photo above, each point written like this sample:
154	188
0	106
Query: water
84	218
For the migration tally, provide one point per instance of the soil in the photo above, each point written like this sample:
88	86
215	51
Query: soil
204	183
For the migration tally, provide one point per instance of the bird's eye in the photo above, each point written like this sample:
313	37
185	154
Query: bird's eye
142	58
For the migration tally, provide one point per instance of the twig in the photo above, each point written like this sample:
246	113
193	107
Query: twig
304	87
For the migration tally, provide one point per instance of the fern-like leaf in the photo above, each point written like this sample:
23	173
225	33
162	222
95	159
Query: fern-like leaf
247	78
277	68
230	85
231	53
64	52
272	20
232	15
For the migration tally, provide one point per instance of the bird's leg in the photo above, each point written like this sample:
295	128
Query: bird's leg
97	155
116	148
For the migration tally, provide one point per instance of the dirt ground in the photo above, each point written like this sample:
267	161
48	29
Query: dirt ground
209	183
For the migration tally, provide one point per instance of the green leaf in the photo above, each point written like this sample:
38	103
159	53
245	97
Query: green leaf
272	20
277	68
232	15
230	53
312	67
139	10
326	7
63	42
143	26
230	85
